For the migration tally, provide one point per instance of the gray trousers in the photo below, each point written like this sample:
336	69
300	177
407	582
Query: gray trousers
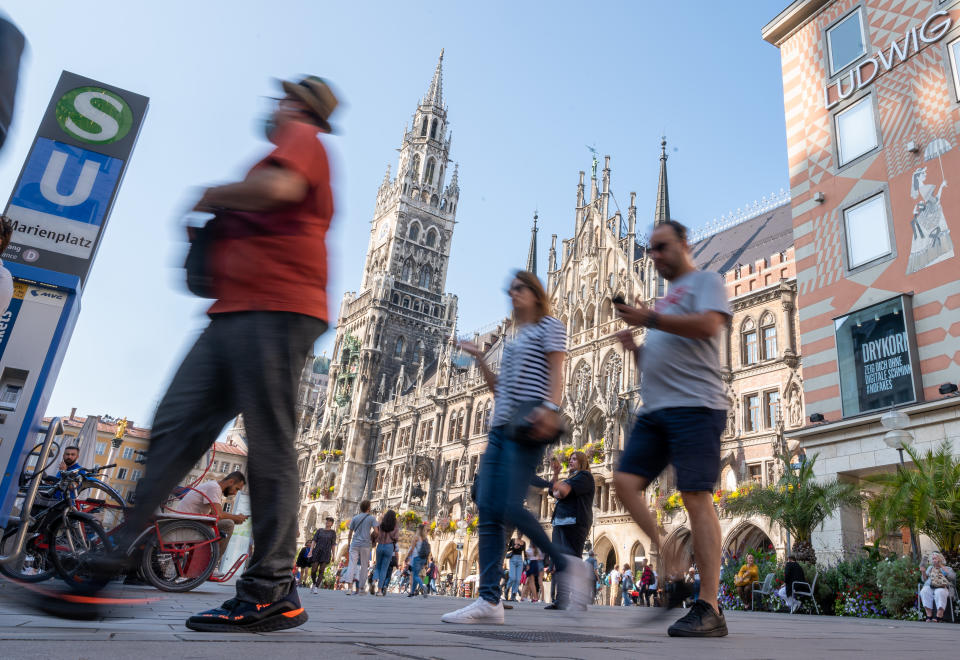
243	363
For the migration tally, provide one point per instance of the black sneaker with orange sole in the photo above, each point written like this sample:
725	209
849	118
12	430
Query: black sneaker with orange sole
237	615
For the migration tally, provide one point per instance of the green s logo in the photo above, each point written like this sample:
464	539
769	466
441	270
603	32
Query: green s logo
94	115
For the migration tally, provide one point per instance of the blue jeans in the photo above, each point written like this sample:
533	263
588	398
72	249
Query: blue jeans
505	473
381	570
415	567
627	600
516	569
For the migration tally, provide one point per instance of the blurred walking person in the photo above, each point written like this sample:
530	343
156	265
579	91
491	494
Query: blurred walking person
526	417
324	541
386	550
516	550
417	559
265	263
683	416
363	532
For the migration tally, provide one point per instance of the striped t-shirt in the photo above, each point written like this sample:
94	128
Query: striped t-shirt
524	370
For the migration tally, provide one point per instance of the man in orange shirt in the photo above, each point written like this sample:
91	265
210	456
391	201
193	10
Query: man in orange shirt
268	268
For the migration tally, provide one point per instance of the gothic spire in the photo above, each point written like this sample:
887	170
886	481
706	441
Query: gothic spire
662	212
435	93
532	254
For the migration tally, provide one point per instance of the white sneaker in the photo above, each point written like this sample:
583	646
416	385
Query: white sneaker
479	611
314	590
575	586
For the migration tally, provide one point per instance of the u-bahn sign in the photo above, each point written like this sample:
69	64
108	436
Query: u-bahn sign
66	189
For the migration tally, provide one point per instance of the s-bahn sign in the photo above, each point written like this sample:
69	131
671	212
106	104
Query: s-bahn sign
66	189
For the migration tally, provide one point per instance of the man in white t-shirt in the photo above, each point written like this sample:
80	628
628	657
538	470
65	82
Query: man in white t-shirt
614	579
207	499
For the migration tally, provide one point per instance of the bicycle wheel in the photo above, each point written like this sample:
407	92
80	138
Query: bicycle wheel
78	539
34	564
181	557
102	502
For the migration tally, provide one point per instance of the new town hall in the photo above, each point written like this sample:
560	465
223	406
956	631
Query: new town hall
404	416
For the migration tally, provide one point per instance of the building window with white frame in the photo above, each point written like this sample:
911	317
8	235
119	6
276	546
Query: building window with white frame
101	448
122	473
771	408
856	131
846	42
127	453
867	230
954	49
751	421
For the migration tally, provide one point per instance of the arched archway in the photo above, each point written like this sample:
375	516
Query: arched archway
745	537
448	559
679	544
606	553
637	553
472	567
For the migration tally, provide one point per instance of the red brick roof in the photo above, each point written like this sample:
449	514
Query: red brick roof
225	448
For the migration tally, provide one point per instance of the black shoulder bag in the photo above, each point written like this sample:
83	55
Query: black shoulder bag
520	429
197	264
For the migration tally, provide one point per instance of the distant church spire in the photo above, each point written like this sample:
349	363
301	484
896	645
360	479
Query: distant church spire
532	254
662	212
435	93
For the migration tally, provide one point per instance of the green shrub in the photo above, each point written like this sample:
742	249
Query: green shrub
898	580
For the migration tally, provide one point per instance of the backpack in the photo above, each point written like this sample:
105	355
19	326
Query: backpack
423	552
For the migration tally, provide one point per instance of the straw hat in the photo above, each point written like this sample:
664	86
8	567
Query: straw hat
317	95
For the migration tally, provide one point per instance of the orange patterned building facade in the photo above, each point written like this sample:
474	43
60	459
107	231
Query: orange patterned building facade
873	126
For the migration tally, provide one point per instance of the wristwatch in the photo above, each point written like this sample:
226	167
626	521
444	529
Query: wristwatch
550	405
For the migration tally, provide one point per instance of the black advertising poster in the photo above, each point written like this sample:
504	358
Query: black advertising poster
882	361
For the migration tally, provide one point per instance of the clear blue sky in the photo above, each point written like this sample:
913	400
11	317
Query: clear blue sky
528	85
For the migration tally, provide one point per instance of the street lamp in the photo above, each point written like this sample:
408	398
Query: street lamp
461	531
897	437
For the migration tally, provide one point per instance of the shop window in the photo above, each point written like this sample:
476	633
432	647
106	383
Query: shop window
876	357
856	131
756	472
867	231
846	42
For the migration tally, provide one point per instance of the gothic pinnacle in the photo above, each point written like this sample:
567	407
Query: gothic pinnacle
435	93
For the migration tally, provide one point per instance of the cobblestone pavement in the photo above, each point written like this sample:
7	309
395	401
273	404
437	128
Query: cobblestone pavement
344	626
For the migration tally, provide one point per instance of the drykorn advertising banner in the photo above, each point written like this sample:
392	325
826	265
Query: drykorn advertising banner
882	357
66	189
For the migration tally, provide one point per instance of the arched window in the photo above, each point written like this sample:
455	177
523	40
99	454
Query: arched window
611	281
398	349
486	416
578	322
431	237
416	305
417	351
478	420
768	330
396	299
423	127
407	271
406	303
428	173
415	168
434	201
414	232
460	430
748	343
433	129
426	277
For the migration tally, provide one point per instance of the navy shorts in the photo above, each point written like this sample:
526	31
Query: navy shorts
687	438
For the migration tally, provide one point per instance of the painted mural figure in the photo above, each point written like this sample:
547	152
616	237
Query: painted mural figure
931	235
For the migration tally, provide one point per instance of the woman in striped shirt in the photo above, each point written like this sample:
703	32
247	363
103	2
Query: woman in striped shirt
530	370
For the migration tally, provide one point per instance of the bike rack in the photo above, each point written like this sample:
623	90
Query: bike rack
54	429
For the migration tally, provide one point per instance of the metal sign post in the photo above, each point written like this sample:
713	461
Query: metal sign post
59	208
